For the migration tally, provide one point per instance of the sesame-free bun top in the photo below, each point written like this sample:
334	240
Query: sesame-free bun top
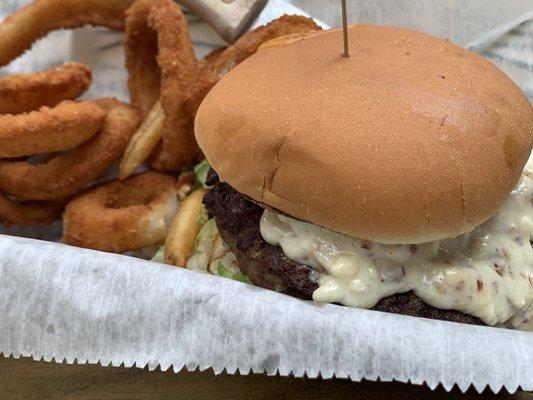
409	140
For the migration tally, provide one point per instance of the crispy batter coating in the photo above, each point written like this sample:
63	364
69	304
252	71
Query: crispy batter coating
63	127
19	30
162	65
121	216
146	36
28	92
67	173
29	213
210	57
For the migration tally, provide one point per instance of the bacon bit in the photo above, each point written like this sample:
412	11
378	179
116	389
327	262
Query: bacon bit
479	285
413	248
528	278
502	253
366	246
497	268
460	286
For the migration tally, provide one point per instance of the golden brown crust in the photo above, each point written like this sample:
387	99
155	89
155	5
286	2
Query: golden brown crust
28	92
68	173
161	63
29	213
62	127
120	216
19	30
411	139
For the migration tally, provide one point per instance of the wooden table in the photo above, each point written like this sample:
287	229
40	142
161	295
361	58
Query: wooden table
27	379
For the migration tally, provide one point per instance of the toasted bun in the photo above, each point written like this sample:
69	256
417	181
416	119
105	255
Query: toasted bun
412	139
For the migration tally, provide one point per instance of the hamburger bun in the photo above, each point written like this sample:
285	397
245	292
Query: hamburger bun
412	139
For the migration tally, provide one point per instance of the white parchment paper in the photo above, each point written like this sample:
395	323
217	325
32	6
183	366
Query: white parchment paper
63	303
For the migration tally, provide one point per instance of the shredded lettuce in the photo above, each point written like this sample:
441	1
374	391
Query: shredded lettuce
226	273
207	234
203	246
201	170
203	218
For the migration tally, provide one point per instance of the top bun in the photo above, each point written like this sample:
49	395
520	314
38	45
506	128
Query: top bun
410	140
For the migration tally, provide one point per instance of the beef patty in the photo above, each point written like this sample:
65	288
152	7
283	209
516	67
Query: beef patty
237	219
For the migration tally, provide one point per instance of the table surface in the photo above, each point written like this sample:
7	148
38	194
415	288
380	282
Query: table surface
28	379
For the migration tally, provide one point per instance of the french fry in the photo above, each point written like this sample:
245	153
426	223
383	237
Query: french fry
184	229
143	141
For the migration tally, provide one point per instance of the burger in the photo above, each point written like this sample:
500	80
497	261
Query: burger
396	179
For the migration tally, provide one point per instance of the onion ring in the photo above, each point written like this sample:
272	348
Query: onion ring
121	216
211	57
66	174
65	126
150	132
19	30
28	213
28	92
214	66
162	65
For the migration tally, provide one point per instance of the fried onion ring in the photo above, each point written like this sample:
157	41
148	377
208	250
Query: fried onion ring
162	66
65	126
150	132
19	30
28	213
68	173
28	92
121	216
211	57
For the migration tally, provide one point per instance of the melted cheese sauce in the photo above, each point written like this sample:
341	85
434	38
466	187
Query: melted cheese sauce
487	273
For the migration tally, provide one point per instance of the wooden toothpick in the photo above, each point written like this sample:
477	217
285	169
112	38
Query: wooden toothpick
345	29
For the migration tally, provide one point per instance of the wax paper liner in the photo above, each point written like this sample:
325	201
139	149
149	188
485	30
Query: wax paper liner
80	305
66	304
